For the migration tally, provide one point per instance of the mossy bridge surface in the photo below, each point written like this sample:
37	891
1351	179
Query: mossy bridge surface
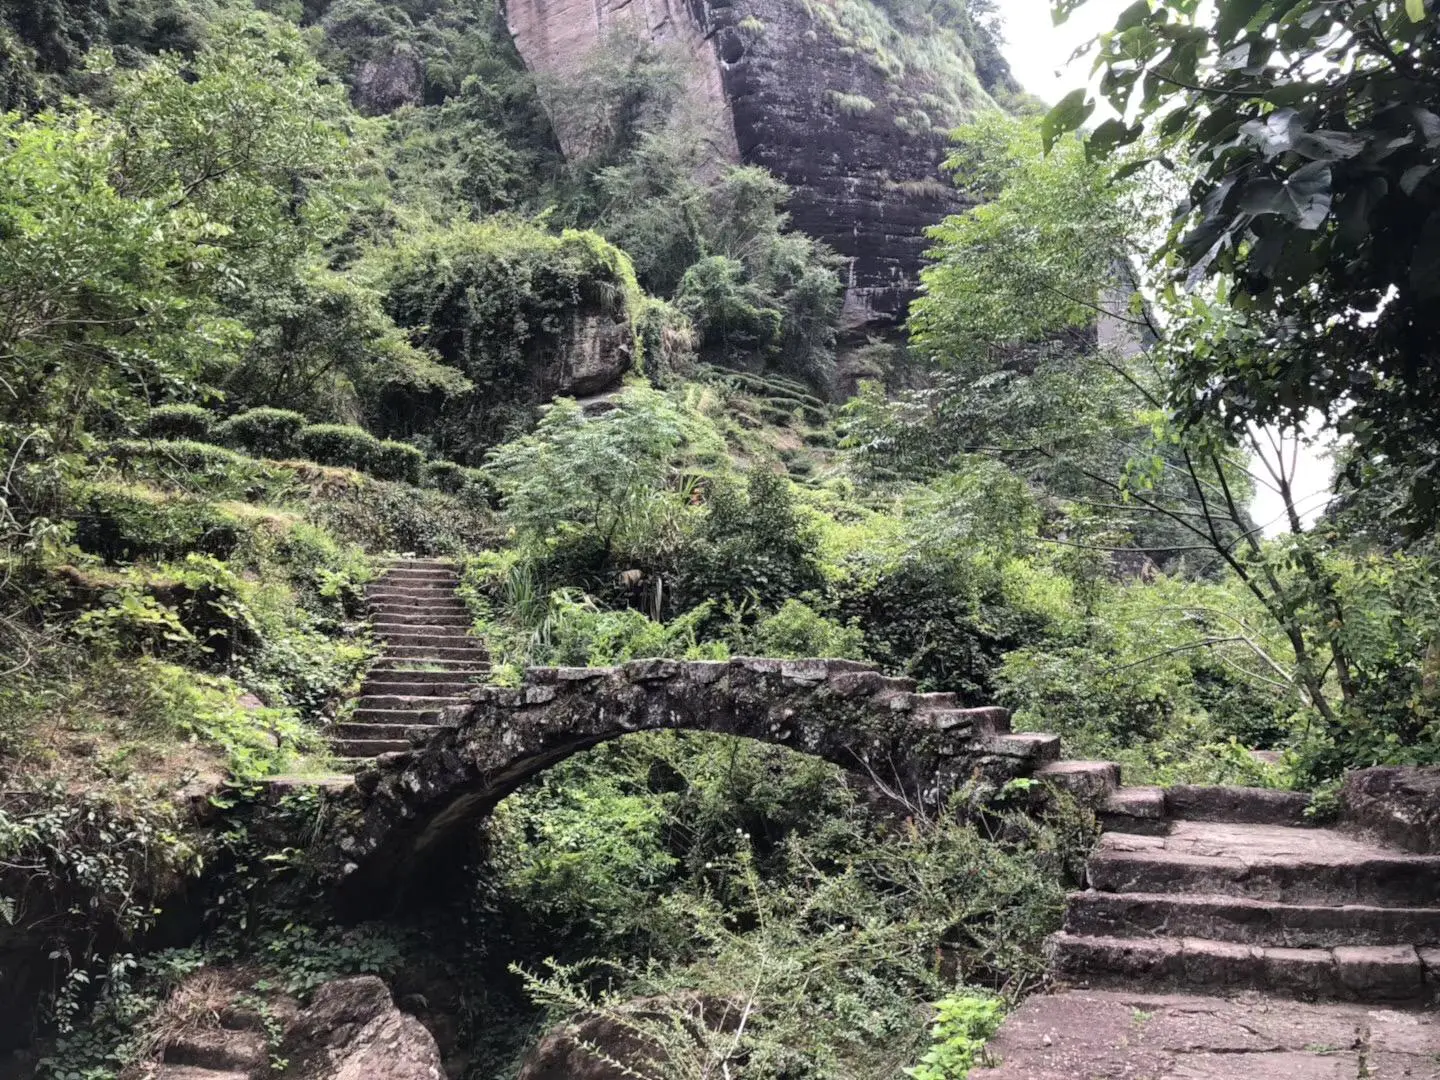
410	806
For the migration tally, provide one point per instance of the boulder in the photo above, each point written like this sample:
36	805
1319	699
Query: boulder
353	1031
1400	806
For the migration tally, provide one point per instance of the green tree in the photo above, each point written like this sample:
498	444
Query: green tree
1309	135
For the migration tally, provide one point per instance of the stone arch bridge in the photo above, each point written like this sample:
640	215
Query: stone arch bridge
410	808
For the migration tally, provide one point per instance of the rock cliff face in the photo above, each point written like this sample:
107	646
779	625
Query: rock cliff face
844	105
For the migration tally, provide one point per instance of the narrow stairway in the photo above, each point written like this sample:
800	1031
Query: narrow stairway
428	662
1214	889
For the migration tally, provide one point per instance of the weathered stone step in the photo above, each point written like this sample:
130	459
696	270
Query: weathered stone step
417	560
981	722
414	590
460	679
442	637
369	748
1034	747
422	618
191	1072
467	667
426	653
364	730
1237	805
407	601
379	686
1089	781
219	1049
1365	973
396	716
1135	810
1264	862
406	702
1250	922
439	573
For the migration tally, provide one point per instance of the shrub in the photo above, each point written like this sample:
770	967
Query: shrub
340	445
121	523
179	422
446	476
272	433
196	467
798	631
396	461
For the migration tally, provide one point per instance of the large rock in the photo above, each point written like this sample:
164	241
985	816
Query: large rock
353	1031
1398	805
859	139
595	353
617	1045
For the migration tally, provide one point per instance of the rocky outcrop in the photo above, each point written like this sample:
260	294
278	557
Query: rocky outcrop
556	37
217	1028
843	113
595	353
626	1041
353	1031
383	84
1399	805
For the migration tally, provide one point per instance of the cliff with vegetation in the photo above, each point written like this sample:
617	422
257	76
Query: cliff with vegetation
357	360
848	103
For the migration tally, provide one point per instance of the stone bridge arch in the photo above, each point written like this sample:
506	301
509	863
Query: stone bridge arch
410	807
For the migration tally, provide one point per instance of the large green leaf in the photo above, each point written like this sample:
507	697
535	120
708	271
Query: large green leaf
1415	9
1074	109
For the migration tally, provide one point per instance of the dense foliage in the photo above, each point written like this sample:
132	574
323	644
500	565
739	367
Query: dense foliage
290	286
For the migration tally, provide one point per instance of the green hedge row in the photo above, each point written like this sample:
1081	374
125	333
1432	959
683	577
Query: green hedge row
281	433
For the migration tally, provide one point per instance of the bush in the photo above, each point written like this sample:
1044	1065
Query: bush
396	461
196	467
340	445
272	433
798	631
122	523
179	422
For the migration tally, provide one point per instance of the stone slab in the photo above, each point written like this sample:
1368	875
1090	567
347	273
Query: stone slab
1118	1035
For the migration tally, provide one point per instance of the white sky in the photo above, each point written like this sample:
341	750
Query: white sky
1040	55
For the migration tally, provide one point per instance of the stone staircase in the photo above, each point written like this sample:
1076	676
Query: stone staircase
428	662
1215	889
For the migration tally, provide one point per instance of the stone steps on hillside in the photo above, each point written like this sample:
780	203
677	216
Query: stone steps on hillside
1250	922
1264	862
1391	973
428	662
1219	889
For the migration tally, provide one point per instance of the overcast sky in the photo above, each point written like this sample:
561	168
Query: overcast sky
1039	51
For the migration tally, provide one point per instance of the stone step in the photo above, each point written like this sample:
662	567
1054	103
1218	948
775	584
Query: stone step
1135	810
421	573
219	1049
377	686
982	722
467	667
1362	973
1088	781
364	730
396	716
1264	862
422	653
406	702
1036	748
461	680
368	748
422	618
1237	805
1249	922
192	1072
440	604
417	560
418	590
443	637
